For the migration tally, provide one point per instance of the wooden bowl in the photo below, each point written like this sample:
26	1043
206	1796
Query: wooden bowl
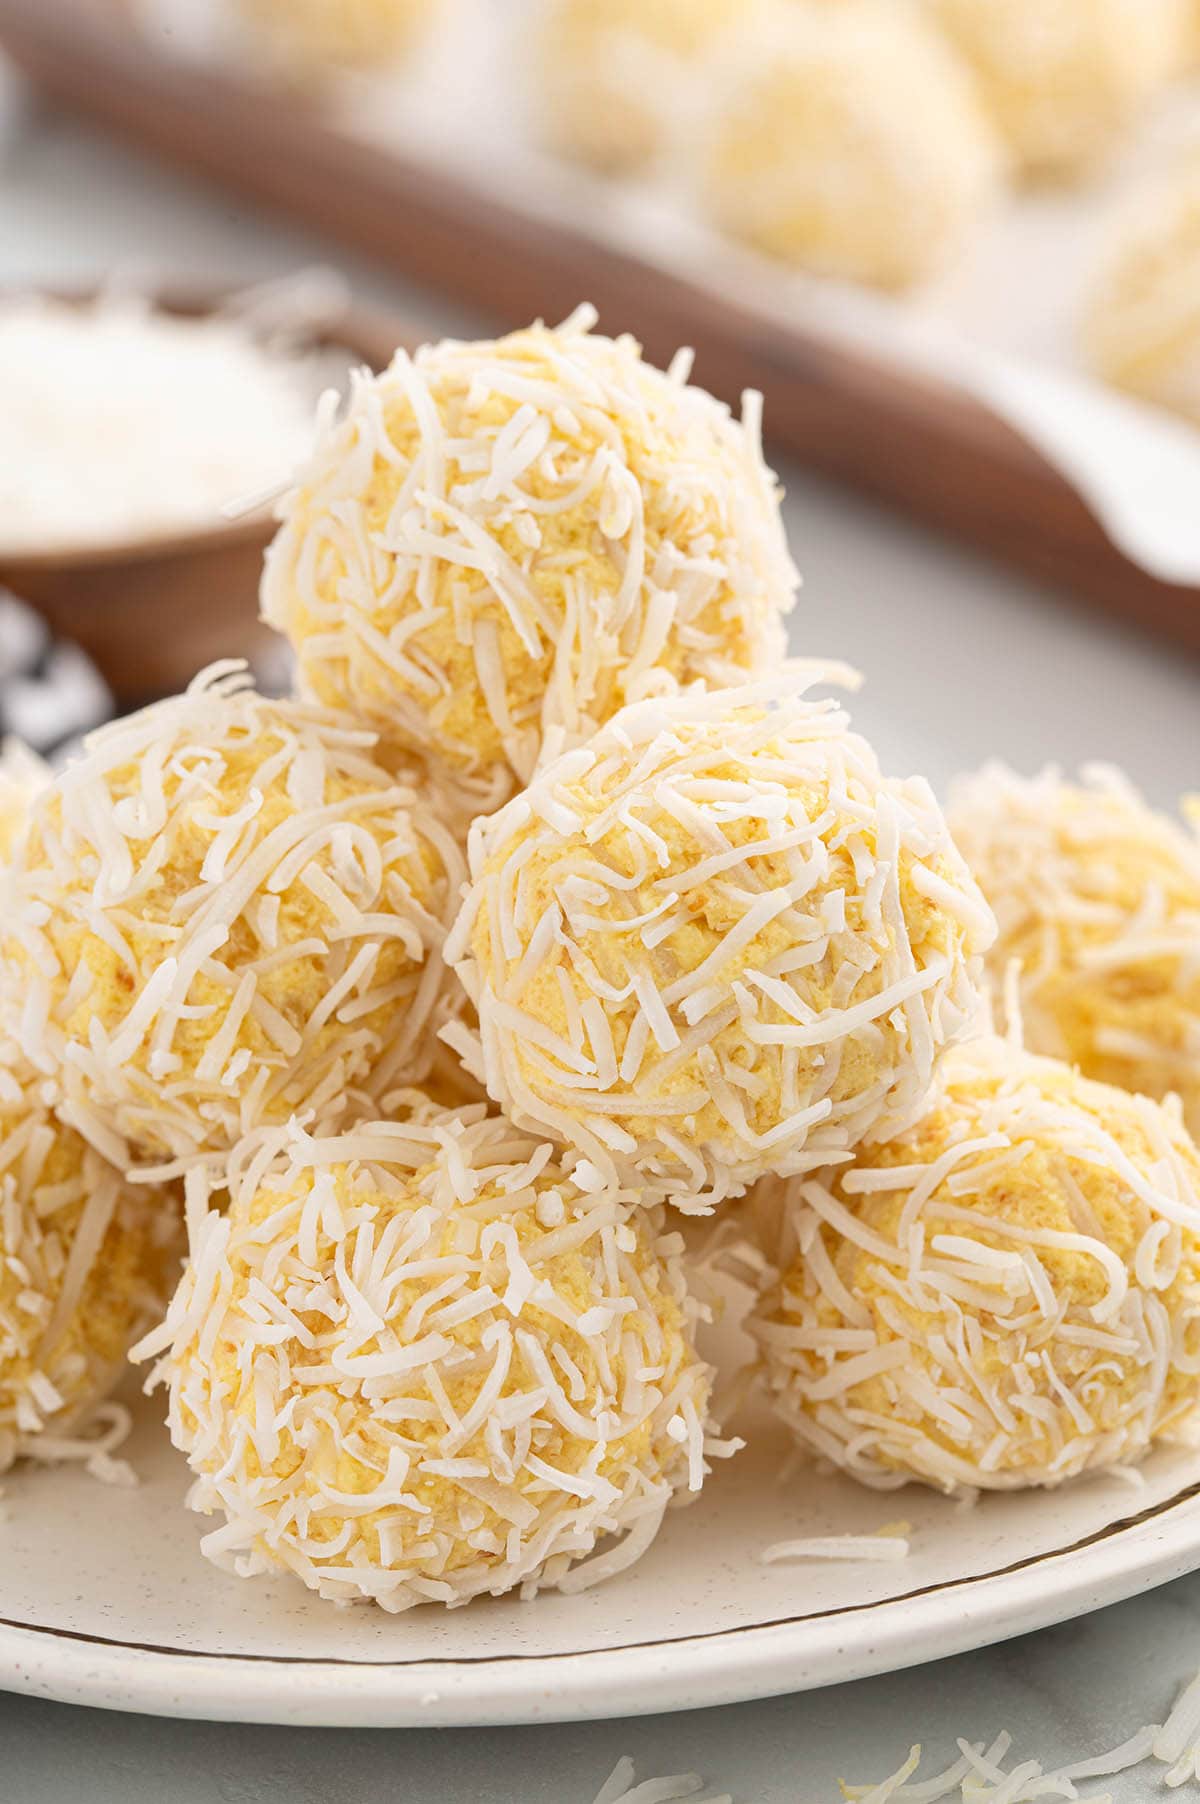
153	611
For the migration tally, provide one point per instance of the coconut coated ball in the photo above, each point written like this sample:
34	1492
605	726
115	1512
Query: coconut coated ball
1063	79
420	1362
613	75
223	914
83	1263
502	543
1141	330
849	142
716	942
1098	899
1007	1294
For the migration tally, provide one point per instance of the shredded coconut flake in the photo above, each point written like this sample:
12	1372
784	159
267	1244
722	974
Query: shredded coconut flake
880	1547
987	1776
623	1787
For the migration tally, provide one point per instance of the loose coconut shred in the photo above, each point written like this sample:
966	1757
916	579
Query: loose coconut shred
422	1362
991	1774
717	942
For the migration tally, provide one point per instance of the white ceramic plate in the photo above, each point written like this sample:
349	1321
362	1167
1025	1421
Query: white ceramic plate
105	1599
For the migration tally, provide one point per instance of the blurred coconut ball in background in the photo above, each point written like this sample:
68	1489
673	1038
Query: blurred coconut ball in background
304	40
1063	79
847	139
1141	326
612	76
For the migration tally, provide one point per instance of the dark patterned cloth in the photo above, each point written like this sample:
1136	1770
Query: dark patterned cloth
50	691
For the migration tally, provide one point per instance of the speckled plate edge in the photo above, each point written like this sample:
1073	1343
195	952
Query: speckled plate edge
726	1667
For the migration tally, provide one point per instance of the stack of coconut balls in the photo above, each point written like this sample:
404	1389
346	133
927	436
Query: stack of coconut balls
556	907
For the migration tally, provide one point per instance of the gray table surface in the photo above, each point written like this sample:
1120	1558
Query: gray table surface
963	661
